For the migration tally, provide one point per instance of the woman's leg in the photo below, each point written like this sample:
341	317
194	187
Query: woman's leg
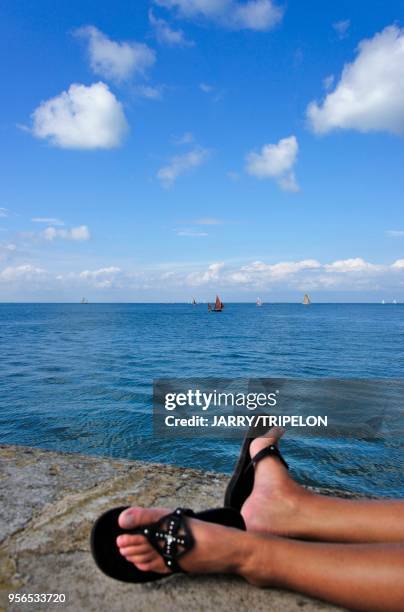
357	576
279	506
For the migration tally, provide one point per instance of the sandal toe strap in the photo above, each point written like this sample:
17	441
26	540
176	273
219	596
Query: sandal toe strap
171	537
268	451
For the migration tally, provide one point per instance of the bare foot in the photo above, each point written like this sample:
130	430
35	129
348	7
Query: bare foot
274	504
217	549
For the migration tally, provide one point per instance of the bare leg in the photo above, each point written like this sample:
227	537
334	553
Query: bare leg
278	505
358	576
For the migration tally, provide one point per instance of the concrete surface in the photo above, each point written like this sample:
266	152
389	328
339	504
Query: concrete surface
48	502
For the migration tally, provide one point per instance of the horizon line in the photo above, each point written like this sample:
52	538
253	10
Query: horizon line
168	302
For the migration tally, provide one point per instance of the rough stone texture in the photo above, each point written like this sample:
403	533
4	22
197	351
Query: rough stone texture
48	502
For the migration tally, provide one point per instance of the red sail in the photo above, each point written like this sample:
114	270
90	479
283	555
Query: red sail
218	303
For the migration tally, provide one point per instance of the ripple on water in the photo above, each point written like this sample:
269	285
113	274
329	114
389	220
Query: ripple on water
80	379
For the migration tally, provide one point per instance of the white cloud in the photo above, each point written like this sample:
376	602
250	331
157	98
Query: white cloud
181	164
370	93
211	274
258	15
216	94
103	278
79	233
191	234
342	27
23	272
3	212
48	220
395	233
101	272
279	270
254	274
186	138
208	221
195	8
288	182
116	60
166	35
355	264
328	82
7	251
150	92
346	275
50	233
81	118
353	274
206	88
275	161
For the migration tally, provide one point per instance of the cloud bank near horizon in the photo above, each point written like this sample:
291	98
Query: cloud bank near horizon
348	275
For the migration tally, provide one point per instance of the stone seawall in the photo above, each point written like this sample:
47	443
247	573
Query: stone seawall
48	502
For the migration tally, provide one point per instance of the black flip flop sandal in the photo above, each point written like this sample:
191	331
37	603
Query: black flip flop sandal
242	482
171	536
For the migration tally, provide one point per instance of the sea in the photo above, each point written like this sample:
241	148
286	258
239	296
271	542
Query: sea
79	378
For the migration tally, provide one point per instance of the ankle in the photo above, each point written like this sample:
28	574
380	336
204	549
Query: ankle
289	514
235	550
247	556
301	504
251	566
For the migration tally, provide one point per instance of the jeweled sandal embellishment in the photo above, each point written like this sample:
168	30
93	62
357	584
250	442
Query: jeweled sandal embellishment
171	537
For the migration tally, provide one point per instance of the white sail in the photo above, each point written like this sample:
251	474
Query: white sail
306	300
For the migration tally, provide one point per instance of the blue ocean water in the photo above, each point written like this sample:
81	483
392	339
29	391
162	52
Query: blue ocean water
78	378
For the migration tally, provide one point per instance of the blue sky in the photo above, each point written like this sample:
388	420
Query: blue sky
152	151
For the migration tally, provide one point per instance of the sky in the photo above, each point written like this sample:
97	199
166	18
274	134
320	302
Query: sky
163	149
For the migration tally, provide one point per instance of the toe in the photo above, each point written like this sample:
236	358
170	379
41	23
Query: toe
153	566
135	517
130	551
140	559
130	540
272	437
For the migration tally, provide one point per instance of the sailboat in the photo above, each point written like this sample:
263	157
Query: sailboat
259	302
306	300
218	307
394	302
194	302
84	300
